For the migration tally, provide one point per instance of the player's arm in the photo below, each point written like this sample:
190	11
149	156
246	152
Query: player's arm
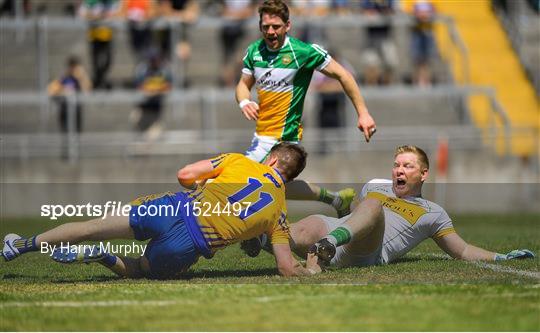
189	175
365	122
456	247
249	108
288	266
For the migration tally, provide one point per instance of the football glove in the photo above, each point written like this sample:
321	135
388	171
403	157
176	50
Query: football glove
515	254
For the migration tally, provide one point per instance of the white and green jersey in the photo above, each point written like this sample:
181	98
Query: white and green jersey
407	222
282	79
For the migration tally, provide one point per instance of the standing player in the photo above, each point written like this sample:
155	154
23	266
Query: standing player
280	67
242	200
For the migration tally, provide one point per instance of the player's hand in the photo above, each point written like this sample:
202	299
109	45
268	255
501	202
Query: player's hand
251	110
367	125
515	254
312	263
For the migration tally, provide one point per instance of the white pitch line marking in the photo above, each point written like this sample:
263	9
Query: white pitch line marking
262	299
74	304
493	267
502	269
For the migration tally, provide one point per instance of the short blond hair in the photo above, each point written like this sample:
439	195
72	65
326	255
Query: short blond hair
420	154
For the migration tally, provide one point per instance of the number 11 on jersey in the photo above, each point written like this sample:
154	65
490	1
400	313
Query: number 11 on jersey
264	198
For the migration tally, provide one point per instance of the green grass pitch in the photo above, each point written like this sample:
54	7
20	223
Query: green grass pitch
424	291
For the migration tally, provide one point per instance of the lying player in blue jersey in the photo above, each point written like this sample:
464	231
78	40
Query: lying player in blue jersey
391	220
233	198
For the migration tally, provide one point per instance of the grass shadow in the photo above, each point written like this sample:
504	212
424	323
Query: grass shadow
198	274
417	258
96	278
227	273
34	278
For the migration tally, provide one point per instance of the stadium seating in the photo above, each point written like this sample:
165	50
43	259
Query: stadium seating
204	120
493	62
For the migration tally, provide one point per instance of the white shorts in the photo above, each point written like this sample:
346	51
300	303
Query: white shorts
261	146
343	258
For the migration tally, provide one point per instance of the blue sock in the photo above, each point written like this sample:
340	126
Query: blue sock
26	244
109	260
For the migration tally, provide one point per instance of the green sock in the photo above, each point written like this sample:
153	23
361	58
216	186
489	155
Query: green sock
341	235
327	196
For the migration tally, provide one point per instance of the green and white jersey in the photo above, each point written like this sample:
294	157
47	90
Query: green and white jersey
282	79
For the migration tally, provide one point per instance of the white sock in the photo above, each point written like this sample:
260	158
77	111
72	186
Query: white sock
337	200
331	239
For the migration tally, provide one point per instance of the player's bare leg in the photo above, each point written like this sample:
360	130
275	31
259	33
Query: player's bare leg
302	190
112	227
306	232
95	230
128	267
367	226
361	233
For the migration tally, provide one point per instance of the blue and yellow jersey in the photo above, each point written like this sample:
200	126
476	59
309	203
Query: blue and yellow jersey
241	199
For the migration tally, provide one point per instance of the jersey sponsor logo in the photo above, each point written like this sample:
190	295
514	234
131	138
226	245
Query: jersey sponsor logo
409	211
266	81
257	58
274	79
286	59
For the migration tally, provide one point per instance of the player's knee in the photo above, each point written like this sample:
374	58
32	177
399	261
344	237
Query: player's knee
377	211
374	205
308	230
298	231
